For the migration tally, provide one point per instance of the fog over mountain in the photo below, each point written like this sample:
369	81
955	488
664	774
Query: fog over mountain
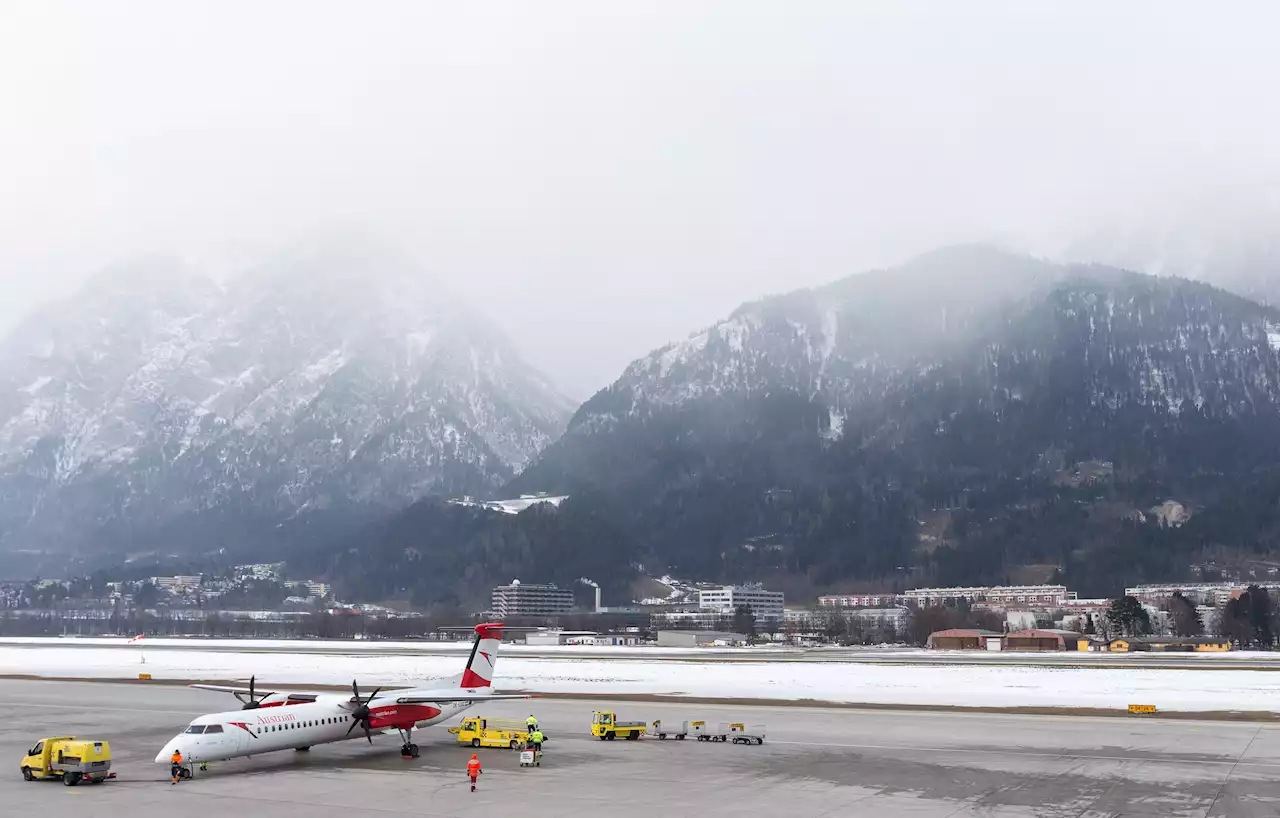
602	180
159	409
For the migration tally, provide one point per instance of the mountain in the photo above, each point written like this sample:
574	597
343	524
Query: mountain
970	416
337	381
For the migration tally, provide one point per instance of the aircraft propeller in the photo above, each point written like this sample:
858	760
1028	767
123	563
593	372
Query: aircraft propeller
360	715
254	702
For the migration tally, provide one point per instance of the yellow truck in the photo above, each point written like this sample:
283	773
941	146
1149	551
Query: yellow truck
70	759
605	726
478	731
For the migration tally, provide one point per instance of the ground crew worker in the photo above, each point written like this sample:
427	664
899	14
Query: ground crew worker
175	766
535	740
473	770
531	723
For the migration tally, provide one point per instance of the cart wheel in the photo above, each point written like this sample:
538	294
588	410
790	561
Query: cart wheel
759	741
680	737
26	774
475	742
514	744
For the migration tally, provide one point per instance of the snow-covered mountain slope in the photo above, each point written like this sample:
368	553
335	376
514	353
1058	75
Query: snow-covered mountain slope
338	374
1161	343
830	424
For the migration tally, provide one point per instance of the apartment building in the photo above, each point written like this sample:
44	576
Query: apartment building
997	595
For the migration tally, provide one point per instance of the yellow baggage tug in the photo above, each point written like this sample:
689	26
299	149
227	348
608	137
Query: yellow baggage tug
481	732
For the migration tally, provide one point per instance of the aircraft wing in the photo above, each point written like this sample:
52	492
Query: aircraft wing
259	694
452	697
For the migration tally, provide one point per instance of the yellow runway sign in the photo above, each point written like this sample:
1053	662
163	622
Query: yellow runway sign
1142	708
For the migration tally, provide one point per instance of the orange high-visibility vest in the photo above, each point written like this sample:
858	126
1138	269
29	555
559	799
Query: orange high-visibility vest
176	758
473	767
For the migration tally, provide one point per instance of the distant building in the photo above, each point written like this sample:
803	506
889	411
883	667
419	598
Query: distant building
1170	644
692	639
1201	593
177	585
966	639
531	599
858	600
686	620
1039	595
897	618
726	599
1045	639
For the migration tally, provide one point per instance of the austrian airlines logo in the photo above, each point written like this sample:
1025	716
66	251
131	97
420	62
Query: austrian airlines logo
486	656
245	727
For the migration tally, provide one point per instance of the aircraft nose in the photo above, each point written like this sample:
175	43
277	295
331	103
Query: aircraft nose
163	756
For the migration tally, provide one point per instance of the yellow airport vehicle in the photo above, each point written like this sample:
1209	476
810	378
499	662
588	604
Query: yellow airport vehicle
70	759
605	726
478	731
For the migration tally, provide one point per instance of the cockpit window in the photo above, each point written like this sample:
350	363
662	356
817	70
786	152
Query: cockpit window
213	728
194	730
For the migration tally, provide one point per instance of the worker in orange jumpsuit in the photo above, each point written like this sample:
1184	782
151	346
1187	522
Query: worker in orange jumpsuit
175	766
473	770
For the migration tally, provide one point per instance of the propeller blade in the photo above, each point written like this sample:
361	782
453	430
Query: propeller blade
367	733
354	722
253	703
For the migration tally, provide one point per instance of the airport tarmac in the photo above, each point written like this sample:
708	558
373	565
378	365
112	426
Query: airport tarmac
815	762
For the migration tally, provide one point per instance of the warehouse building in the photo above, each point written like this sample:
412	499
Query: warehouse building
693	639
1170	644
965	639
1044	639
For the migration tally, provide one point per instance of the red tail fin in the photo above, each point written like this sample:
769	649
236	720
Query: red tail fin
484	656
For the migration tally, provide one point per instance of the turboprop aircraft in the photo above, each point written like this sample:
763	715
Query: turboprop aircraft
270	721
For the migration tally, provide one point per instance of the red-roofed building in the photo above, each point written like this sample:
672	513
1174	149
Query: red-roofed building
965	639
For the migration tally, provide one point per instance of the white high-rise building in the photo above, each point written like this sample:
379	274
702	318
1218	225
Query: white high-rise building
728	598
530	599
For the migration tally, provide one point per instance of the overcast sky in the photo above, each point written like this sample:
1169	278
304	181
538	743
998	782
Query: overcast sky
602	177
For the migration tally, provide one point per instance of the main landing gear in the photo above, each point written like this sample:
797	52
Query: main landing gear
408	749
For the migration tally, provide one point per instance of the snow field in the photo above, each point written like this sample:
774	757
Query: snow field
958	685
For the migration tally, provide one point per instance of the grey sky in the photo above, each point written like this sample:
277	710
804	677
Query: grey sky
604	177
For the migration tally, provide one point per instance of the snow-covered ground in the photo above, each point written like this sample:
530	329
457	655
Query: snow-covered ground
986	686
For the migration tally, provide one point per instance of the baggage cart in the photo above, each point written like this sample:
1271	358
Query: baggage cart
753	734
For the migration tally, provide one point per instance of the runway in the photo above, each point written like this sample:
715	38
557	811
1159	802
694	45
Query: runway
815	762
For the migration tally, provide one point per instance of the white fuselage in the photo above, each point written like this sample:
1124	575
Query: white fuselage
237	733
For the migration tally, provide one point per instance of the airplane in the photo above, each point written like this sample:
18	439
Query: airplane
271	721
